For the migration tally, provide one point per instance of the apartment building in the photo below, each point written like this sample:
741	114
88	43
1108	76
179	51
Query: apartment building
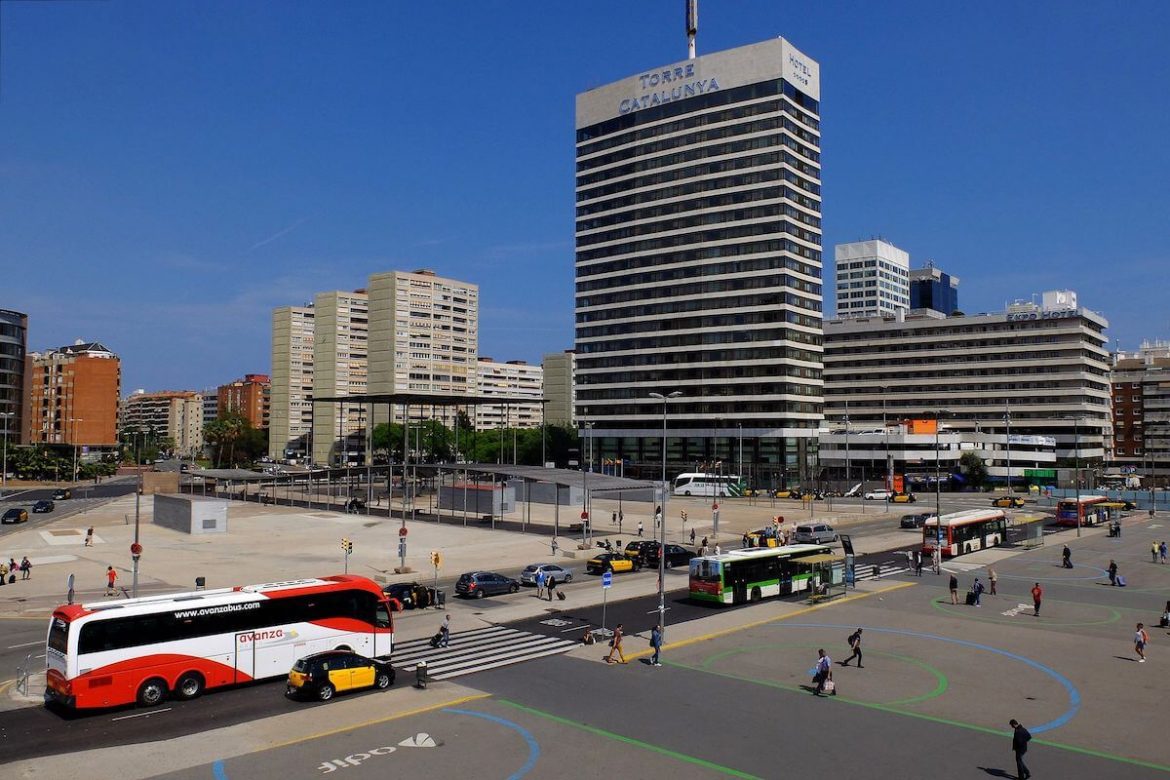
1141	408
73	396
248	397
13	353
173	414
340	367
290	419
514	379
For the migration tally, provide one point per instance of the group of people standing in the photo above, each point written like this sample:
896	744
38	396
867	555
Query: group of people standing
8	570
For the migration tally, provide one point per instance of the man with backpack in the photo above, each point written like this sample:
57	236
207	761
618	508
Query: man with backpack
854	644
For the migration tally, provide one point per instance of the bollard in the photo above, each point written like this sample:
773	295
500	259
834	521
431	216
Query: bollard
420	676
877	573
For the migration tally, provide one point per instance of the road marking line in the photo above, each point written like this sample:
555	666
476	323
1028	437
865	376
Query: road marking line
141	714
766	621
726	770
27	644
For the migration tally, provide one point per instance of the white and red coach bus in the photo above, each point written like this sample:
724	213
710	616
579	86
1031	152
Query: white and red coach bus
118	652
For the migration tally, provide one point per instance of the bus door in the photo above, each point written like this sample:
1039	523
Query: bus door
245	663
785	577
739	591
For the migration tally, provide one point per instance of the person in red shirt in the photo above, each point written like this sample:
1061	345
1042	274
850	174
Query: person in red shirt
1037	596
111	578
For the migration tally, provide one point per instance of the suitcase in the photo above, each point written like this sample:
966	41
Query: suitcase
1120	581
12	579
560	596
970	598
436	639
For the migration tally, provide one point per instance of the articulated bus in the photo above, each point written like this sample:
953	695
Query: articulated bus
142	650
715	485
964	532
1088	509
739	576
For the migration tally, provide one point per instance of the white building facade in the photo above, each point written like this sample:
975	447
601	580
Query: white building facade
873	279
514	379
291	411
340	368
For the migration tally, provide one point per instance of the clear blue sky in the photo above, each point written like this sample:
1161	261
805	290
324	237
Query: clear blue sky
172	171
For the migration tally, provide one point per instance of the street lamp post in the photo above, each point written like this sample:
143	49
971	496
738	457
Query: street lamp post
662	525
1007	421
847	443
889	463
73	441
1077	468
739	429
937	493
4	463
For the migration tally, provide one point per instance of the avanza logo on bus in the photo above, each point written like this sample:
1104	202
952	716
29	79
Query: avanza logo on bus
260	636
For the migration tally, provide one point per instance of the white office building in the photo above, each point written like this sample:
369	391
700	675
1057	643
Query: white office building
514	379
873	279
291	410
340	367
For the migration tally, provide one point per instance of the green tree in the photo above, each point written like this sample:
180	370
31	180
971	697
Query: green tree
974	469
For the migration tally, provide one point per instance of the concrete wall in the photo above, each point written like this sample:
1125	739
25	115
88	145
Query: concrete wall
160	482
191	514
486	500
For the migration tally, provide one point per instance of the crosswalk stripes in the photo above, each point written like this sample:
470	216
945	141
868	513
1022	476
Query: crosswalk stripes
475	651
884	570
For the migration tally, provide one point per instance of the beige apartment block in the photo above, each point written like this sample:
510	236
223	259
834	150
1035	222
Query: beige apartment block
514	379
173	414
423	336
340	367
291	405
560	395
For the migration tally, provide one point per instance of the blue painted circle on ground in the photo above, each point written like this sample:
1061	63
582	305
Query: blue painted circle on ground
1074	695
533	746
1103	575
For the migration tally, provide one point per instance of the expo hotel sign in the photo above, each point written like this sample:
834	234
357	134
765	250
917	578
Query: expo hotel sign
667	86
1042	315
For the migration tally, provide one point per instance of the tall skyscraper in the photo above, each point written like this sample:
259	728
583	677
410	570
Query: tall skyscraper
932	288
873	279
340	367
698	260
13	349
423	335
73	396
291	412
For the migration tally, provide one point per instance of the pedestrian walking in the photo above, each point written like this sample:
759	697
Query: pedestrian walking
3	572
1066	557
613	519
1154	550
1140	638
977	590
111	578
954	589
692	537
621	519
639	527
918	562
25	568
1162	551
1020	739
89	537
718	549
551	587
658	517
1165	621
1112	572
823	672
615	646
656	643
855	645
992	579
540	584
704	545
554	546
1037	597
445	631
745	542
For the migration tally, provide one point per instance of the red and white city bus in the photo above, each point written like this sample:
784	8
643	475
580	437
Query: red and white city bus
964	532
1088	508
118	652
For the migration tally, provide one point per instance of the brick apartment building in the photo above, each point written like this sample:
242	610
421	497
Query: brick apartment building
73	396
248	397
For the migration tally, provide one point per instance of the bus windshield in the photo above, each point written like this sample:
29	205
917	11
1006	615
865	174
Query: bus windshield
706	570
59	635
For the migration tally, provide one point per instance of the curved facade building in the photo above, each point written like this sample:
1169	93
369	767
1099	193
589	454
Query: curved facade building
13	346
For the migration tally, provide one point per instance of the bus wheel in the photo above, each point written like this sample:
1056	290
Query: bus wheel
189	686
152	692
344	649
755	594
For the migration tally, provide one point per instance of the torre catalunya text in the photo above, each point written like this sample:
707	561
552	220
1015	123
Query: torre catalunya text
664	95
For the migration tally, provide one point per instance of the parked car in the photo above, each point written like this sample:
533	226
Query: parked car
876	495
903	498
614	562
913	521
1010	502
15	515
44	505
558	574
637	549
815	533
323	674
676	555
477	584
410	594
62	494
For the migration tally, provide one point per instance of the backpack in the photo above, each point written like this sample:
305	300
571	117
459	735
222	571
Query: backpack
852	638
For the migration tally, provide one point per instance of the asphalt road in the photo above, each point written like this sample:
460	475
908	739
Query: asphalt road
85	496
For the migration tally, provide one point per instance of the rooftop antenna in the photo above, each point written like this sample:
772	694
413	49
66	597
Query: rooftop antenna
692	26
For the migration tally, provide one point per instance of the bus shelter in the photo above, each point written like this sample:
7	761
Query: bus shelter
826	574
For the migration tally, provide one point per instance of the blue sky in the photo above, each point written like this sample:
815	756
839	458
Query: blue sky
172	171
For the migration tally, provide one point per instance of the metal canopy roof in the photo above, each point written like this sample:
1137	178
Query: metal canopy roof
234	475
428	399
571	477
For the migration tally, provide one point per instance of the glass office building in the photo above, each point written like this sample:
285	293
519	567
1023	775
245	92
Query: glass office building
698	261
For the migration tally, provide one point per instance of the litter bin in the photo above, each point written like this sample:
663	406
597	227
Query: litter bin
440	598
200	583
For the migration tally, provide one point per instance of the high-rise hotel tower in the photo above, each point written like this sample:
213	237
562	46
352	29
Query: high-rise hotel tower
698	264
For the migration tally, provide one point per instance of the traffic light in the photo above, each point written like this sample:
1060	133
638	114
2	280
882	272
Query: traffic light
684	516
436	558
347	546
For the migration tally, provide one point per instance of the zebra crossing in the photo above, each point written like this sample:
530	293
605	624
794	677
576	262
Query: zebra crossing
887	569
476	651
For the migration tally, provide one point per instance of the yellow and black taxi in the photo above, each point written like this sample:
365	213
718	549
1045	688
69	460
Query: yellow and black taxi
903	498
1009	502
615	562
321	675
764	537
15	515
638	548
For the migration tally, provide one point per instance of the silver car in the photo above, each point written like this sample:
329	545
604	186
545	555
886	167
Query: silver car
552	571
814	533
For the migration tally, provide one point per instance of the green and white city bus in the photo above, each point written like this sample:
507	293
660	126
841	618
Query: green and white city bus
714	485
740	576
